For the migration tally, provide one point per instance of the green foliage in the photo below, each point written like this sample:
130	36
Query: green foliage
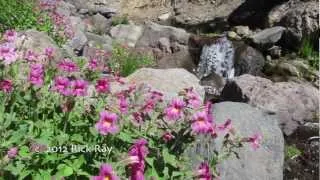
309	52
119	20
17	14
23	15
292	151
126	61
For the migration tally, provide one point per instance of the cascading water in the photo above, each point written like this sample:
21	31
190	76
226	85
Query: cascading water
217	58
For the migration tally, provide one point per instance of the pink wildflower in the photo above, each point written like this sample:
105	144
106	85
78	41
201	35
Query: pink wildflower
167	136
138	152
193	98
175	110
102	86
79	87
49	52
8	53
36	74
200	123
255	141
93	64
31	56
68	66
6	85
12	152
226	126
203	172
106	173
61	85
107	123
137	118
10	35
123	104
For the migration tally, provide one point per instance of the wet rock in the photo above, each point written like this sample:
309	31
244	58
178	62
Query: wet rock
248	60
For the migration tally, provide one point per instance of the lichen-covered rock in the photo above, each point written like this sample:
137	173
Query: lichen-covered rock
246	121
293	103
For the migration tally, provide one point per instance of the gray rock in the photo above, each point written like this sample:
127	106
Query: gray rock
248	60
127	34
78	41
164	17
162	80
268	37
164	45
37	42
104	7
153	32
95	40
65	8
246	121
302	21
242	31
194	13
275	51
278	12
180	59
293	103
101	24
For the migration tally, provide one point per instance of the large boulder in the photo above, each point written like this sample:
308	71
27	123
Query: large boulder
37	42
246	121
247	60
191	13
105	7
302	21
154	32
267	37
253	13
293	103
168	81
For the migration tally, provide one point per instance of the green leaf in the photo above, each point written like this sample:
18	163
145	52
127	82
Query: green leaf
64	170
169	158
125	137
24	151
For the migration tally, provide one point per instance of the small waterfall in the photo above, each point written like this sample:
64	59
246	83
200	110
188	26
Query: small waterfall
217	58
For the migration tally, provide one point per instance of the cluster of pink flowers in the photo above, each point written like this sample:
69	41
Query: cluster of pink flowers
192	98
68	65
138	152
61	22
8	53
10	36
64	86
36	74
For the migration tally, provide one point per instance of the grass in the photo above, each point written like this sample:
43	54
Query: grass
126	61
310	52
119	20
291	152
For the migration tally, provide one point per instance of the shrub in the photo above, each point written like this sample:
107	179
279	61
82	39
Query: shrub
126	61
292	151
309	52
56	126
